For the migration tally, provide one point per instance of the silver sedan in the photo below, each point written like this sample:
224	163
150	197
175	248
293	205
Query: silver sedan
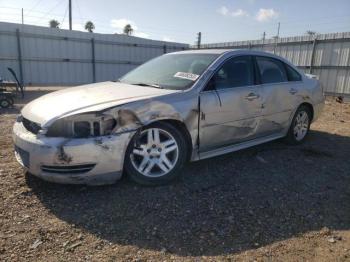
179	107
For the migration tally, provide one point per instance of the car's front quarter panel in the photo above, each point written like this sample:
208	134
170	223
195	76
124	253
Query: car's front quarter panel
181	107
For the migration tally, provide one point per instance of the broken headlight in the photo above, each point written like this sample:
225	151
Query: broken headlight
83	125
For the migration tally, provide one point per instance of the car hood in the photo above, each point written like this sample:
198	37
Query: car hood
86	98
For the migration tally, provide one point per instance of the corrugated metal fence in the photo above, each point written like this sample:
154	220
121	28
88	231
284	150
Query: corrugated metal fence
45	56
326	55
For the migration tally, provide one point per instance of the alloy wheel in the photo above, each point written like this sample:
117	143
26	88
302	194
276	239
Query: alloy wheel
301	125
155	153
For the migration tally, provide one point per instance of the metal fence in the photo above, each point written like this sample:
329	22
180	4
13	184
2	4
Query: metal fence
46	56
326	55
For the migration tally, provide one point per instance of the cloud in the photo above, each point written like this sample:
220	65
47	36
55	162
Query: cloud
223	10
121	23
141	34
75	26
264	15
167	39
239	13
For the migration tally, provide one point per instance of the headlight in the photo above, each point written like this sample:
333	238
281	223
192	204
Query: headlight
83	125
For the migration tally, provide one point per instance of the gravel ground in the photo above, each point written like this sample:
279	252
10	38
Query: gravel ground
271	202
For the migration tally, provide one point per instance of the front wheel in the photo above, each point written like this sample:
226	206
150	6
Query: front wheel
300	126
155	154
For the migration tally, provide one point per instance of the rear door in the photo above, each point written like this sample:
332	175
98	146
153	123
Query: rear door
280	94
230	105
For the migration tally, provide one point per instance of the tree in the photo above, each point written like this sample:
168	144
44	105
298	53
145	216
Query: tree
54	23
128	29
89	26
310	32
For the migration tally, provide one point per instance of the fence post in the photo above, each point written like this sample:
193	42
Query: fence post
20	62
275	46
93	60
164	49
313	55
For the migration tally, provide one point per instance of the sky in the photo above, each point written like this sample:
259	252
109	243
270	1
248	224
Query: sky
181	20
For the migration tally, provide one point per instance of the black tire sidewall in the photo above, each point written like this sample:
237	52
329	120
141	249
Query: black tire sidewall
150	181
290	136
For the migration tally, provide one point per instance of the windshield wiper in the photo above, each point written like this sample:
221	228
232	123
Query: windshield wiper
145	84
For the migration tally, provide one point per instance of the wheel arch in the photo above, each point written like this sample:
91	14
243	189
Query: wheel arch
310	107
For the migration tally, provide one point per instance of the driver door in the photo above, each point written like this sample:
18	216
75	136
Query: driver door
231	105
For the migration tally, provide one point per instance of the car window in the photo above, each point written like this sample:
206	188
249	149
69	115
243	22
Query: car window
171	71
293	75
271	70
234	73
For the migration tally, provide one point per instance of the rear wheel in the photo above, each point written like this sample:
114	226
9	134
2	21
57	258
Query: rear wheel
300	126
155	155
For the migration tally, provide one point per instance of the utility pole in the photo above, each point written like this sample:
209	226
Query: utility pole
263	38
70	14
277	36
199	40
22	17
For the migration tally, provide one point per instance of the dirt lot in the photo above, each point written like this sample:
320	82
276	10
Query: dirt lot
271	202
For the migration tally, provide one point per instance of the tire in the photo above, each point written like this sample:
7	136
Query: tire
300	126
4	102
153	159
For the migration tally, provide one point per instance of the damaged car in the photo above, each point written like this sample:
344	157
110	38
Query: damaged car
179	107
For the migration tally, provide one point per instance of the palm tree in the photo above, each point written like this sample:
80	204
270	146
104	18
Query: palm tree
54	23
128	29
310	32
89	26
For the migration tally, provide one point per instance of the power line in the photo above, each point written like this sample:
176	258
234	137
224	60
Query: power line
65	13
285	24
79	12
48	12
34	6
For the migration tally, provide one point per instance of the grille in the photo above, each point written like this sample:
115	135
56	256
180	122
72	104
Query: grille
76	169
31	126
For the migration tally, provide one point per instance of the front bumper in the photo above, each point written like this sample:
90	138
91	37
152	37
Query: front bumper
92	161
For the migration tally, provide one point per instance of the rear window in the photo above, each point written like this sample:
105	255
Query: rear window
271	70
292	74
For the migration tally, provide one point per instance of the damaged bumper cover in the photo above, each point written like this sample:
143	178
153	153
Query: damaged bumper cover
91	161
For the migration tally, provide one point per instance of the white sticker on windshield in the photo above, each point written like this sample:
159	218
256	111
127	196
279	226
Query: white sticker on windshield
188	76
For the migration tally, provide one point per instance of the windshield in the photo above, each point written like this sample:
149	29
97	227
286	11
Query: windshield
172	71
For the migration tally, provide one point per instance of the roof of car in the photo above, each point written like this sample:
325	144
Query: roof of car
221	51
231	51
205	51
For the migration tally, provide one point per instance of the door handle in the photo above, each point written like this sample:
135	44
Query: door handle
293	91
252	96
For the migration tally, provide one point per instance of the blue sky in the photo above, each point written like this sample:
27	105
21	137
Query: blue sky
180	20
